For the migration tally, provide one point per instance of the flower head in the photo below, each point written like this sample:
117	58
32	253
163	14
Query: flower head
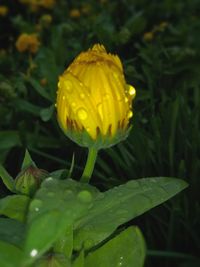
94	102
75	13
3	11
27	42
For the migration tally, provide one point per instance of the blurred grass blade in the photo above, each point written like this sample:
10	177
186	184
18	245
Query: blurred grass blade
7	179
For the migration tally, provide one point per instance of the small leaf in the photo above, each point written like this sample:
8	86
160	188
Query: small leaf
27	161
9	139
12	231
14	207
39	89
46	113
126	249
10	256
7	179
121	204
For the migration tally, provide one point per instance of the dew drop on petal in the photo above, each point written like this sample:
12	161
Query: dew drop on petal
131	90
130	114
126	99
73	104
55	105
82	114
68	86
82	95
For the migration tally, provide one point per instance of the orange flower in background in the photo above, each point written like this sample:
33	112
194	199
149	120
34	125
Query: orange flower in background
3	11
27	42
75	13
148	36
36	4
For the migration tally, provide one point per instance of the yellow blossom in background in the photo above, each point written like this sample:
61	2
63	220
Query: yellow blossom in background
94	98
148	36
43	81
3	11
75	13
27	42
86	9
36	4
45	20
48	3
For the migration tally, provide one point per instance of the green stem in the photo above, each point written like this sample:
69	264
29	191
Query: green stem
89	167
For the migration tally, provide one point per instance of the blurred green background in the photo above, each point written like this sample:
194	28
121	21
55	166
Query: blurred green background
158	42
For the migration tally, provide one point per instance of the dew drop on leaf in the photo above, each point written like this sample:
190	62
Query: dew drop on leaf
85	196
35	205
33	252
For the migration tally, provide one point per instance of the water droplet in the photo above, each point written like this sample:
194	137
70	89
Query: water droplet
33	253
35	205
131	90
100	110
126	99
82	95
49	179
63	98
120	263
130	114
115	75
55	105
82	114
73	104
85	196
68	86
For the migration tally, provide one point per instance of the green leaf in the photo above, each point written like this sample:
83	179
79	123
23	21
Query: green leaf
14	207
9	139
126	249
39	89
25	106
80	260
7	179
27	161
121	204
11	231
55	208
46	113
10	256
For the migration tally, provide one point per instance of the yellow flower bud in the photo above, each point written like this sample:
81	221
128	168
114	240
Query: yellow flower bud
94	102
